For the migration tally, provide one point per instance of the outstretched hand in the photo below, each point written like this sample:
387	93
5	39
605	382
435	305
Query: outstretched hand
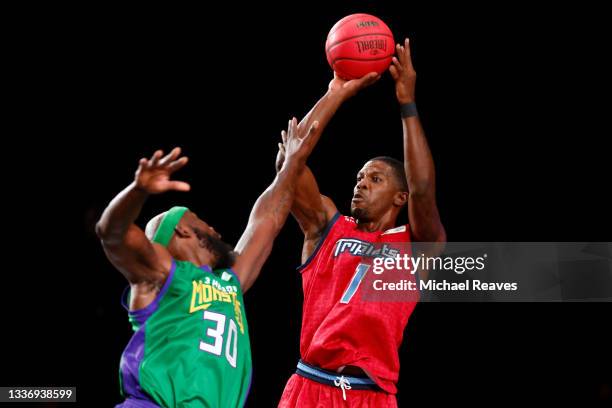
349	88
153	175
403	73
293	146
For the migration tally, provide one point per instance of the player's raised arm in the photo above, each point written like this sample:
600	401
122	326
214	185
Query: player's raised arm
272	207
311	209
423	213
125	244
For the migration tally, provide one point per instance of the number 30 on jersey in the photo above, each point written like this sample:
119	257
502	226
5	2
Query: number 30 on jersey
216	334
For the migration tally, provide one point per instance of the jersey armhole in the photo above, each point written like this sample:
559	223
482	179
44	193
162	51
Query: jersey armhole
141	315
328	228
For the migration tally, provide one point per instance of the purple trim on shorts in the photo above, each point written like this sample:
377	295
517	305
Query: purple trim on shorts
141	315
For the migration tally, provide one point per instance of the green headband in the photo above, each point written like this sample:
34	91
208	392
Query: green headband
168	224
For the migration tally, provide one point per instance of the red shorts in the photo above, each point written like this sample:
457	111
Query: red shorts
304	393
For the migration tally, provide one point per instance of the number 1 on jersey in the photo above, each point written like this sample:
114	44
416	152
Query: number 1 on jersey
360	272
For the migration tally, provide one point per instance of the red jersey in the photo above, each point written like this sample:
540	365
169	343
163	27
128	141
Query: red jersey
338	327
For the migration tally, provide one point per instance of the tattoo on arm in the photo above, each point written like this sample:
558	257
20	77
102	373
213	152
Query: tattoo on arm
283	206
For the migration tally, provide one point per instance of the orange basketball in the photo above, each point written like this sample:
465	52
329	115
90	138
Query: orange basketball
359	44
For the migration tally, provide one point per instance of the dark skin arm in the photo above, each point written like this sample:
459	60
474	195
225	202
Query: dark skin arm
311	209
144	264
272	207
423	215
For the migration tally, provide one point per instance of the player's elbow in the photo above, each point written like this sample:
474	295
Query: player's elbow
108	235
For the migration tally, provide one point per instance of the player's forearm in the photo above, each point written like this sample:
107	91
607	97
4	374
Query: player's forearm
323	111
418	162
120	214
275	203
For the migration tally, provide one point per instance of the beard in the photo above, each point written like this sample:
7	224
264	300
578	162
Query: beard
360	214
222	251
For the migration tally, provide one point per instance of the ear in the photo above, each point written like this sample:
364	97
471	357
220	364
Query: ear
400	199
182	231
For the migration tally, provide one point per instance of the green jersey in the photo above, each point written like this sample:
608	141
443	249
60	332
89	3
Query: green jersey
191	344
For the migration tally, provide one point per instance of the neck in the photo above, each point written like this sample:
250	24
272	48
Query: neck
197	256
384	223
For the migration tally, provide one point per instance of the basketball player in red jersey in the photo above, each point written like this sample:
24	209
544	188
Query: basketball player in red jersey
348	346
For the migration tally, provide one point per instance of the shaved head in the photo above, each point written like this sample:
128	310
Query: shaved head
153	225
191	233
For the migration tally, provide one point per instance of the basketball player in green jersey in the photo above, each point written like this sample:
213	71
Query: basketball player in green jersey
190	346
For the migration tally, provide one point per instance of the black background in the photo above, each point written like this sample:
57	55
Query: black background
510	101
